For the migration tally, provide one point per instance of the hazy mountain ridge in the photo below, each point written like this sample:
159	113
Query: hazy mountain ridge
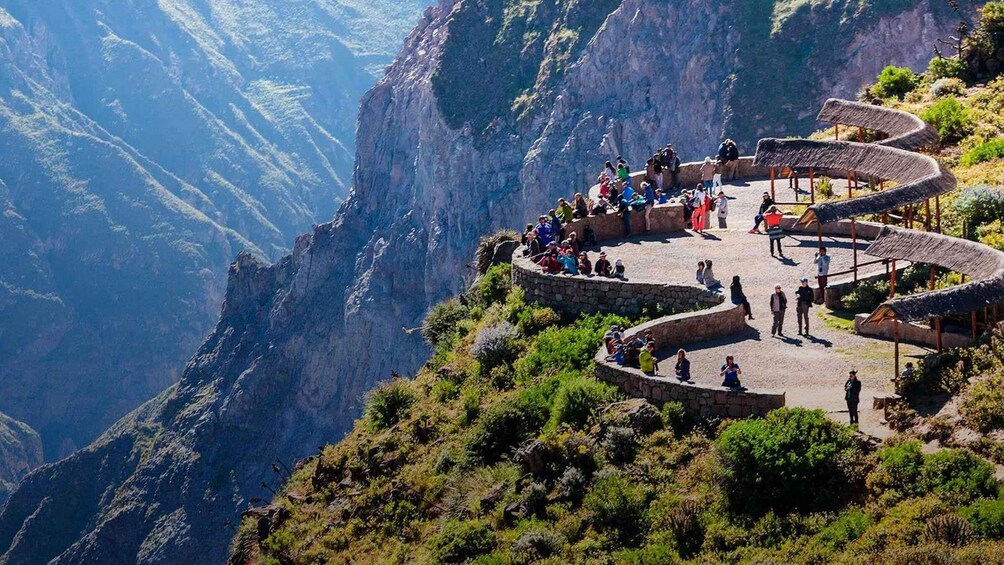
145	144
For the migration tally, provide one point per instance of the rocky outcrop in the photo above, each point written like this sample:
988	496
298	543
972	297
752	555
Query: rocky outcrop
440	162
144	144
20	452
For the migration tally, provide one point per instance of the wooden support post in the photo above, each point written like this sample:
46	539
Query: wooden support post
937	213
836	132
974	323
773	196
937	334
819	233
854	248
812	185
895	344
892	280
861	135
927	215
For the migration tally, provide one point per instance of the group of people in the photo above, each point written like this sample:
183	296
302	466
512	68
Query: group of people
698	205
639	352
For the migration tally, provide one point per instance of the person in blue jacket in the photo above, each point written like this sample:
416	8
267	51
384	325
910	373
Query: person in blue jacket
649	204
544	232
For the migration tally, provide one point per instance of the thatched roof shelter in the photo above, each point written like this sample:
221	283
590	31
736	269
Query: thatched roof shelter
905	130
920	177
983	264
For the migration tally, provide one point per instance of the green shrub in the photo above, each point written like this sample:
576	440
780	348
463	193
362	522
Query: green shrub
651	554
684	523
949	529
569	348
507	424
948	87
494	346
578	399
992	234
460	541
389	402
824	187
867	296
621	444
674	417
982	405
894	81
440	325
979	206
947	67
494	285
792	459
617	506
537	544
960	472
950	118
987	518
848	527
993	149
897	475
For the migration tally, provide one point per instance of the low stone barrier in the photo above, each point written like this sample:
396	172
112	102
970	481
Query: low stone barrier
666	218
700	399
575	294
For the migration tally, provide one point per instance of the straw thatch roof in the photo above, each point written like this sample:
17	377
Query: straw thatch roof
920	177
905	130
983	264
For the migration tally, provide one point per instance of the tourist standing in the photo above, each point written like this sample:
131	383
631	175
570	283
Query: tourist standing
852	394
673	167
708	173
739	297
773	220
682	366
822	262
731	160
649	193
730	373
700	206
764	206
804	299
722	210
778	306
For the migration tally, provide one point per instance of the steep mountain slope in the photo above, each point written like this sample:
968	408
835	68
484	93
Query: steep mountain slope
20	452
145	144
463	135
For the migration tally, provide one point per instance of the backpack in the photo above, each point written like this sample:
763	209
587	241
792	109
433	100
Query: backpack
711	206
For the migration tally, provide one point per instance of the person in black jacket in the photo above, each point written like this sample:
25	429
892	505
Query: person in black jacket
778	306
739	297
764	206
852	394
806	297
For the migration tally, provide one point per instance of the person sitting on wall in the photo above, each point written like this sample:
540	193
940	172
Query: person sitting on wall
619	352
600	207
574	243
533	249
709	275
682	366
525	238
556	225
739	297
580	208
764	206
565	211
609	336
618	269
544	231
615	197
549	262
585	266
604	183
609	171
569	262
730	373
623	175
603	267
633	350
700	272
647	361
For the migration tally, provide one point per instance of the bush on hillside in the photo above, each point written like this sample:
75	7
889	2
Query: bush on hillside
568	348
948	87
894	82
986	517
460	541
949	529
494	285
617	506
947	67
897	474
979	206
506	424
950	118
578	399
495	345
794	459
992	234
537	544
993	149
389	402
959	472
440	325
982	403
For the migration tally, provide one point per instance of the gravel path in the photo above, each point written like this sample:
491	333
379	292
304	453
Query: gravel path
811	370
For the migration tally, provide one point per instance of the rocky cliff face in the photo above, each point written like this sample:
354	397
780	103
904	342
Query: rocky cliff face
144	144
20	452
492	111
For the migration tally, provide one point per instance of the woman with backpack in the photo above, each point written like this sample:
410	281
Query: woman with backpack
700	206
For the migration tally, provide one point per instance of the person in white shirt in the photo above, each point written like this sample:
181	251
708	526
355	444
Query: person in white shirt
822	262
722	210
